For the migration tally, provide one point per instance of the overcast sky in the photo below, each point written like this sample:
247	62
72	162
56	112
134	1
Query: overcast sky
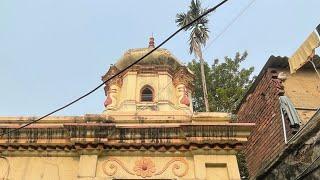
53	51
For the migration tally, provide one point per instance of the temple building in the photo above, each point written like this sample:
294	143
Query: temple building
148	130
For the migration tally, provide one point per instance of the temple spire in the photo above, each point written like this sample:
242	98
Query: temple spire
151	42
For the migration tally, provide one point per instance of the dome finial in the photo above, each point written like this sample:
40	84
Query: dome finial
151	41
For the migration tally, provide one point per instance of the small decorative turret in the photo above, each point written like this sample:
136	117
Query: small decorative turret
160	82
151	42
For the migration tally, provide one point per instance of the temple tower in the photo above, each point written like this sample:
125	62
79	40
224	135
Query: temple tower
160	82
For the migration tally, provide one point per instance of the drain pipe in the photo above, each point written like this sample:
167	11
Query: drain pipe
283	127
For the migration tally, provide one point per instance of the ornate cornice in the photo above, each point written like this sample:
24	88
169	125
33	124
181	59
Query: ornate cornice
116	81
102	136
183	76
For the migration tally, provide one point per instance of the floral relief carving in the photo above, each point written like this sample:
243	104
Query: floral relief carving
183	76
110	168
145	167
176	167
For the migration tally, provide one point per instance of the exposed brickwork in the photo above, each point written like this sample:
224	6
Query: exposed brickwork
300	154
263	108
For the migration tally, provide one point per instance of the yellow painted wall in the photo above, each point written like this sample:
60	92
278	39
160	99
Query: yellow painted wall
216	171
125	166
303	89
40	168
165	96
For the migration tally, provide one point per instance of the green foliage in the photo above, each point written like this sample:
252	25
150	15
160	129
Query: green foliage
243	169
198	100
227	82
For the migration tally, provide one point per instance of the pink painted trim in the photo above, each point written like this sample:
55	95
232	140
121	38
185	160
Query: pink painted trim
33	126
88	124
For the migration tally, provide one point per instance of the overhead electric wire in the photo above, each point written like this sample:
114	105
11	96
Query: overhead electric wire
118	73
306	171
229	24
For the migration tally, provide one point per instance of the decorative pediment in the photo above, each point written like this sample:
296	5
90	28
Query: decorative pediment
112	71
115	81
184	76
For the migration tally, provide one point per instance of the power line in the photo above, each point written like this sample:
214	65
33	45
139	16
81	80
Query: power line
118	73
229	25
305	173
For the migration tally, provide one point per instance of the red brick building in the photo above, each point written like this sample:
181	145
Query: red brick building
276	120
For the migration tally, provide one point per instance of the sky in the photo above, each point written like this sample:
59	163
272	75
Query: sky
53	51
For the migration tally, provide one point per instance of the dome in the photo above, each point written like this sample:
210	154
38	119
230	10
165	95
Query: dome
158	57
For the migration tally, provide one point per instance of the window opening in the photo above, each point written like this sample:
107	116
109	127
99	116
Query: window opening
147	94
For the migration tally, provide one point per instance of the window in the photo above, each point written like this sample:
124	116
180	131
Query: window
147	94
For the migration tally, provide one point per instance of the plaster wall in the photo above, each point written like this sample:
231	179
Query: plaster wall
303	89
39	168
123	166
165	96
166	88
150	80
127	92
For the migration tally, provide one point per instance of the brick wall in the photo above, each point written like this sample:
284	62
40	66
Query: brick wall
263	108
301	153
